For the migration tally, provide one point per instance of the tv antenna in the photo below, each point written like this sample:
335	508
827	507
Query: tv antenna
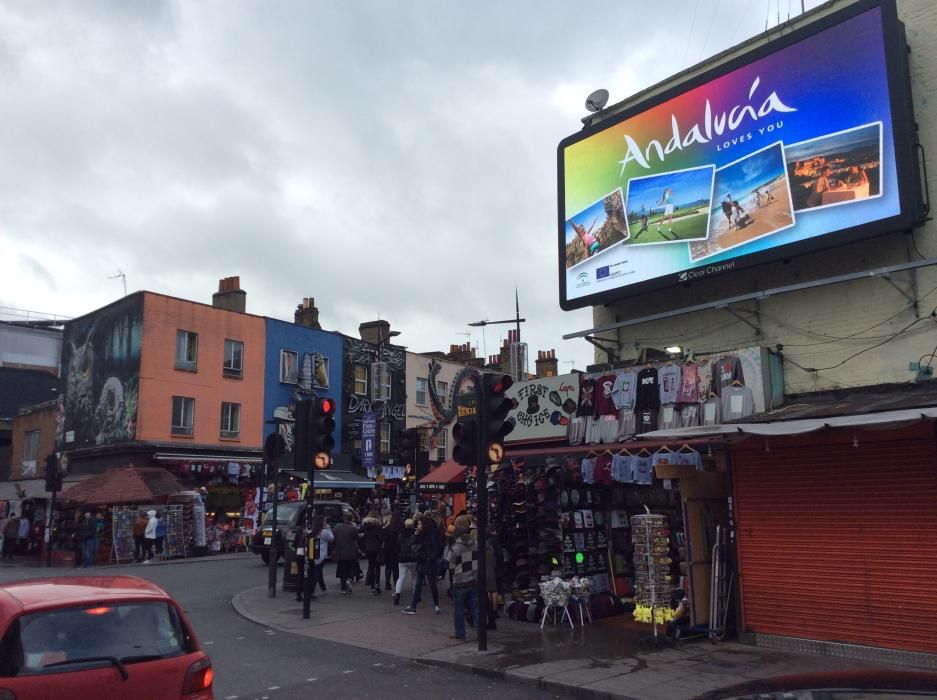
123	278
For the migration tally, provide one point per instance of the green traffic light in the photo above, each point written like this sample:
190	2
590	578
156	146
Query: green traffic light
580	557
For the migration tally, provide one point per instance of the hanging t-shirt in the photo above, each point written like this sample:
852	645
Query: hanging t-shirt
603	470
586	397
737	402
663	457
726	371
668	418
648	392
621	468
587	468
624	389
647	420
689	457
669	378
604	404
704	380
712	411
643	470
689	415
626	424
689	383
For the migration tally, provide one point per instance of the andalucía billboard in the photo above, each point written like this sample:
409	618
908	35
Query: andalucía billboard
796	146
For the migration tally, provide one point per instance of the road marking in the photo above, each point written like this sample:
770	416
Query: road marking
378	664
310	680
207	643
231	697
274	687
351	671
238	638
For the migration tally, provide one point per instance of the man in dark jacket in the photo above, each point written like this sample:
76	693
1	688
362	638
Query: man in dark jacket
87	531
372	541
427	548
346	550
463	563
406	557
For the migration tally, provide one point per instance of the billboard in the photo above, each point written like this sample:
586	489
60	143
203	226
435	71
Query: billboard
798	145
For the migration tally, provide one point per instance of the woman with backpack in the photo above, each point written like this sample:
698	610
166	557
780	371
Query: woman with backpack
427	548
406	558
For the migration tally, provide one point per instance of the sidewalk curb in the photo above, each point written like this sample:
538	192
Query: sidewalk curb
128	566
550	686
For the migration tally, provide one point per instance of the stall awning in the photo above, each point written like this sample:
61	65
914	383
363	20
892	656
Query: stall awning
793	427
582	450
447	476
34	488
116	486
335	479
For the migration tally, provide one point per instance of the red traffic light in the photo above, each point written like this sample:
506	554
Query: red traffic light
503	383
326	407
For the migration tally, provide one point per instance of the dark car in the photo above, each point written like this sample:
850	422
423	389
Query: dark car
290	517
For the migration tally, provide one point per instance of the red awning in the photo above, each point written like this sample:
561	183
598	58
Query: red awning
448	476
583	450
116	486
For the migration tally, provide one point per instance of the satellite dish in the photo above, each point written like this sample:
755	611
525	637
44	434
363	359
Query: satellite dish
597	100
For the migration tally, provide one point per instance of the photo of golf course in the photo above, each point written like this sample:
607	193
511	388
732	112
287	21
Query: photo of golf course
753	200
670	207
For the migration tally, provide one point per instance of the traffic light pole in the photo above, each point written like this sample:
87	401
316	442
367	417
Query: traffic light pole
308	562
274	551
482	491
50	534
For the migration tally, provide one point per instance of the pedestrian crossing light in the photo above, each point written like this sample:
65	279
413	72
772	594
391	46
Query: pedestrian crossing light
497	407
580	557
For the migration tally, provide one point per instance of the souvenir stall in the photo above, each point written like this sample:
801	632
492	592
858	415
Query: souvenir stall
447	482
27	501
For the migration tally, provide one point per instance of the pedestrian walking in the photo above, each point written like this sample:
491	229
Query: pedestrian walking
87	529
139	537
10	533
372	543
427	549
391	545
463	563
160	535
323	533
406	557
346	550
149	536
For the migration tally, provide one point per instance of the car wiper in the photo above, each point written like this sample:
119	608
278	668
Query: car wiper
88	659
141	657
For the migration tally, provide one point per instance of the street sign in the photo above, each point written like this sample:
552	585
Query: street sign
369	440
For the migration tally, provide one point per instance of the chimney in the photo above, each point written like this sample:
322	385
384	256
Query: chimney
374	332
230	296
464	353
307	314
546	363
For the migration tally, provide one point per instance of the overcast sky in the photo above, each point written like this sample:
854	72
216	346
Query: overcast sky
383	157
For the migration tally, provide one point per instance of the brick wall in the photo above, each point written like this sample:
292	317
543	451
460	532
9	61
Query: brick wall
808	323
43	420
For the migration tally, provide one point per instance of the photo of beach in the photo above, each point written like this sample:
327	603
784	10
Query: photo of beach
751	199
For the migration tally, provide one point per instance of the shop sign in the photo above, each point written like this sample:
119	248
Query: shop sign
369	440
544	407
798	145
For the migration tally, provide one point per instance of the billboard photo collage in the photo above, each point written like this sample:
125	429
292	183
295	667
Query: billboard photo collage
794	145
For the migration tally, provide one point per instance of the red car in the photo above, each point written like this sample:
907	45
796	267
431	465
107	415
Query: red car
98	637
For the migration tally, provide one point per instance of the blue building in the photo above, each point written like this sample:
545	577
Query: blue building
301	359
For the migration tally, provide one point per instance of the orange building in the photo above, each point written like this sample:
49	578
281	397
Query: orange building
155	380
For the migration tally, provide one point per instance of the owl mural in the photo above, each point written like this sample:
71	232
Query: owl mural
79	388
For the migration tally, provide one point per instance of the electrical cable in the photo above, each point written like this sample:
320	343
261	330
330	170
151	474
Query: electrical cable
871	347
709	31
686	52
932	353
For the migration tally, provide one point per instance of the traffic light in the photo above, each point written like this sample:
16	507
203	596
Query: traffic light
408	441
466	431
301	437
497	407
53	474
321	429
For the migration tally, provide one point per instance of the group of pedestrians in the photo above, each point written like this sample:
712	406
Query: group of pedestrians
422	550
149	534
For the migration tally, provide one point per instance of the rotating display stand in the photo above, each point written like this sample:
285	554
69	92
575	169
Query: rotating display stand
650	536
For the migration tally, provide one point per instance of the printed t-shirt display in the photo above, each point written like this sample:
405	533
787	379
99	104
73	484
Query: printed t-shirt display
689	383
624	389
648	391
725	371
669	379
586	397
604	404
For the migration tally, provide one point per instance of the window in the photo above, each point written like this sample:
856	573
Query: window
381	380
30	454
186	350
441	444
112	631
421	391
361	380
385	438
183	415
442	391
355	434
233	358
289	367
230	420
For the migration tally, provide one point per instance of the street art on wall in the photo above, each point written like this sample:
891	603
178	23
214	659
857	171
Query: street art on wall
101	376
392	412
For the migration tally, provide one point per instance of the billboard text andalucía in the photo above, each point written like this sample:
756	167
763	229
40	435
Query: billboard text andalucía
798	146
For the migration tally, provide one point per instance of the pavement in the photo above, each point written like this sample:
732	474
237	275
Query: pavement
599	660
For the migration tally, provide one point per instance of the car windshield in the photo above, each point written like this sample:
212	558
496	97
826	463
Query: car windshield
286	513
118	633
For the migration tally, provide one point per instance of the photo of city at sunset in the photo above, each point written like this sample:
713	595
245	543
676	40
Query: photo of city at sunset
835	169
